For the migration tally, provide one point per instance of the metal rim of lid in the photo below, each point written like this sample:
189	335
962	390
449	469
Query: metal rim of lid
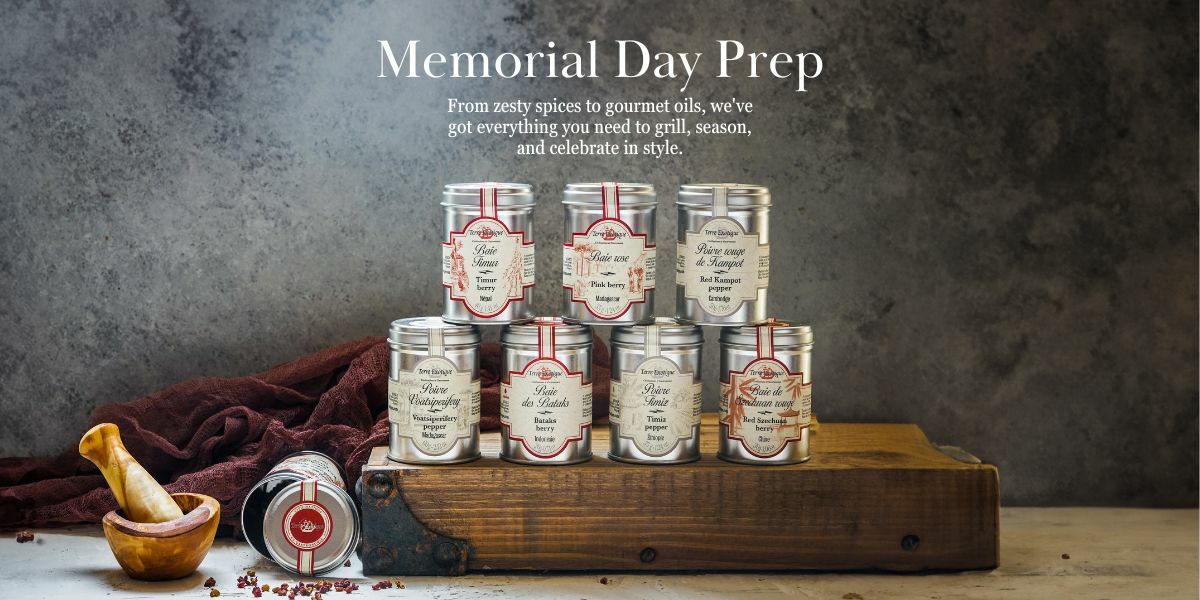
507	194
343	544
671	333
785	334
414	331
632	194
737	195
566	335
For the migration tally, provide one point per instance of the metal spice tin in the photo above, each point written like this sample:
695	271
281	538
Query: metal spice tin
609	253
433	391
301	516
487	252
654	413
546	392
723	259
766	393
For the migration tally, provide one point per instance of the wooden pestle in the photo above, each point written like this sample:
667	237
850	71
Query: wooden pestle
139	495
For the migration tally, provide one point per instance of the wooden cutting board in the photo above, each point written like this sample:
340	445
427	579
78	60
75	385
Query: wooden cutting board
874	496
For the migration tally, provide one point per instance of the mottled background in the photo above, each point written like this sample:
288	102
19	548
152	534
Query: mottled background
987	210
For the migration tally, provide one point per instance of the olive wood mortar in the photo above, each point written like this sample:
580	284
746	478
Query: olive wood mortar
169	534
170	550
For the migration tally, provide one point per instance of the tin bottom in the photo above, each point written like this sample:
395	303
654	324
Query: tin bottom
574	453
417	461
717	322
638	461
794	452
547	463
758	462
507	317
623	449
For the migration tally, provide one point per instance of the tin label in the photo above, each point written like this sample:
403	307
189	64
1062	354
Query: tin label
720	266
486	266
312	466
656	405
307	525
608	268
434	405
766	406
545	407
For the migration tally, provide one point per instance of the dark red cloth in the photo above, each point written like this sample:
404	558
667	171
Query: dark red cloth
219	436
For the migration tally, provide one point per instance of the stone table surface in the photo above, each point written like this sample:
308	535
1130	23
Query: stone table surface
1079	553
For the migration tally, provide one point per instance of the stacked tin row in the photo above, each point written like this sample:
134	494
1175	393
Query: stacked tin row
608	266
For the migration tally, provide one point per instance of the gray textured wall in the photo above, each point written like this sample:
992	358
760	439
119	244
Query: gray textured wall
986	209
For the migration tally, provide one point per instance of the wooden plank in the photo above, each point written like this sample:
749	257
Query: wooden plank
866	489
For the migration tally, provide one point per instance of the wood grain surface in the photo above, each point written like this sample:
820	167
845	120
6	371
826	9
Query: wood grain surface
876	496
163	551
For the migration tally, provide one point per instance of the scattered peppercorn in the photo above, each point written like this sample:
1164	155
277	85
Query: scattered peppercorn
603	581
1066	557
399	584
249	572
347	563
266	587
213	593
210	582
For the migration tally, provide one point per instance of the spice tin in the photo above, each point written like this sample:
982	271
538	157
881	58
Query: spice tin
487	252
301	516
723	259
609	256
766	393
433	391
654	413
546	392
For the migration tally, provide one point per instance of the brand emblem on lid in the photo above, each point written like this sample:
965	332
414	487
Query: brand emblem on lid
307	525
486	233
545	373
768	372
609	235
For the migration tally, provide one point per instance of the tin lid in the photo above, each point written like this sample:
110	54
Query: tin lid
628	194
566	335
414	331
505	194
736	194
311	527
783	333
670	333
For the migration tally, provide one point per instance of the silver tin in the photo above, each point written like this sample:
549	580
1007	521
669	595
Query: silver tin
766	393
487	252
723	259
433	391
609	253
546	392
654	413
301	516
